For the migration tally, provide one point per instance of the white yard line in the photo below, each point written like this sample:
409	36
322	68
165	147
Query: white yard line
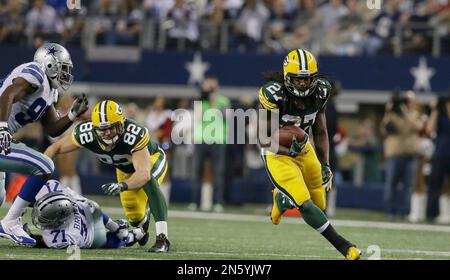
291	220
250	255
419	252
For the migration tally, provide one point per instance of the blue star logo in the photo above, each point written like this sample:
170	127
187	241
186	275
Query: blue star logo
52	50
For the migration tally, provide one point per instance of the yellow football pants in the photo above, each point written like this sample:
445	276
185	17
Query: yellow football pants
299	178
134	202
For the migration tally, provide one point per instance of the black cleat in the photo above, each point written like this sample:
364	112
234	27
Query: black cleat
144	227
144	239
162	244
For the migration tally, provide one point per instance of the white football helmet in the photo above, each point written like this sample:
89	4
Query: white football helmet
57	63
53	210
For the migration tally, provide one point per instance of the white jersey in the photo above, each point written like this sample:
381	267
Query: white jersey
80	231
33	106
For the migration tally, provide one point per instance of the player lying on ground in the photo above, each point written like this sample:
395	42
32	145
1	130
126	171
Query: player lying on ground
140	165
67	218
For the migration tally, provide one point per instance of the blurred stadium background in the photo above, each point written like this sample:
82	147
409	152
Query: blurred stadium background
152	55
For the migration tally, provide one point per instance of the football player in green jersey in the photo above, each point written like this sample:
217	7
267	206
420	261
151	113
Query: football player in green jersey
140	165
301	173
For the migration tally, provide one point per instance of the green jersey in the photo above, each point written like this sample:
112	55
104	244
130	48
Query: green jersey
295	110
136	137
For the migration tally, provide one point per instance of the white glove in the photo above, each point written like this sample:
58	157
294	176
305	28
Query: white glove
114	188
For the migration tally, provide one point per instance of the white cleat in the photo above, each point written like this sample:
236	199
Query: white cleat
13	230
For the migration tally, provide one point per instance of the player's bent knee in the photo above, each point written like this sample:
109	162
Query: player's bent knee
322	205
134	217
47	167
50	164
132	208
129	203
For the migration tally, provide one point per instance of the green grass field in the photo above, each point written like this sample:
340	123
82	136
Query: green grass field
230	236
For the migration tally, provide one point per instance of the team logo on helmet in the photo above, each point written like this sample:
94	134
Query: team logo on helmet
52	50
300	67
286	61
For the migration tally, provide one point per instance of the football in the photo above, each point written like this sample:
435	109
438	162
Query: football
285	134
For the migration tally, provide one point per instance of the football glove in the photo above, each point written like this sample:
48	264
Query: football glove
5	138
122	230
114	188
327	177
79	107
296	146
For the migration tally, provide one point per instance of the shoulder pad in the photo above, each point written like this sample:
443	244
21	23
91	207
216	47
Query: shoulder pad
270	95
323	93
136	135
86	129
33	73
323	88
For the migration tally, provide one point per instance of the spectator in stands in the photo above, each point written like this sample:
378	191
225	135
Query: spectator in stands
365	143
278	25
159	123
303	27
182	22
132	111
416	39
215	15
439	122
157	9
400	126
346	37
73	21
43	22
443	19
129	24
249	25
329	15
12	23
299	38
211	134
306	12
105	13
418	197
233	7
380	36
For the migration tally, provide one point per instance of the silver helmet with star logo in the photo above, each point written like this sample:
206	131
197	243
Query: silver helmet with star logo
57	63
53	210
